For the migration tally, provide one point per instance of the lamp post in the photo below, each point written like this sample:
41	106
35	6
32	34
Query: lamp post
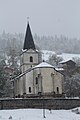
44	116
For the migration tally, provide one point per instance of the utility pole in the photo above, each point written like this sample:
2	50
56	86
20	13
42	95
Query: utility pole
44	116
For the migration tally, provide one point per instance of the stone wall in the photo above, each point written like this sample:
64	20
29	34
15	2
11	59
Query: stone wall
39	103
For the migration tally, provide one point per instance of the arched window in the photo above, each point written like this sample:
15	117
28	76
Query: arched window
29	89
57	90
36	80
31	59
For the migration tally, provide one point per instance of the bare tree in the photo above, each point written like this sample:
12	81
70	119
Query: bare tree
54	59
72	85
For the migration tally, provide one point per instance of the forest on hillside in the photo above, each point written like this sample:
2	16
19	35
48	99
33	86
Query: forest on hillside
60	44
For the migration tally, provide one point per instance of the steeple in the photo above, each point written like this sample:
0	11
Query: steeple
28	42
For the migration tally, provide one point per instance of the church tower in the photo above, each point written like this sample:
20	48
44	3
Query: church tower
29	56
29	59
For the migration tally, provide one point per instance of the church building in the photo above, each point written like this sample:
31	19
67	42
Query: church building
36	79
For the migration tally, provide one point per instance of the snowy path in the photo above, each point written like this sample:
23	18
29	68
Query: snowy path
37	114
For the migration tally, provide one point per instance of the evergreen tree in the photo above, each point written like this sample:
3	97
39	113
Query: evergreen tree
3	78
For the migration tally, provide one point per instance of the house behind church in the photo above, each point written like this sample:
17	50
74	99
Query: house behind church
36	79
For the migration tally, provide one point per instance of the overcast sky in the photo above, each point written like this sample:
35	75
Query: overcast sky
47	17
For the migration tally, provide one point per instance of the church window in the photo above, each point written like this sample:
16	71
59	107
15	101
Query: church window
29	89
57	90
36	80
31	59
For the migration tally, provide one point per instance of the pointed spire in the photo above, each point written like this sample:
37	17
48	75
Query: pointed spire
28	42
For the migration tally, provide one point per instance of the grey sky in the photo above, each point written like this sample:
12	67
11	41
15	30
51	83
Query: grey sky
47	17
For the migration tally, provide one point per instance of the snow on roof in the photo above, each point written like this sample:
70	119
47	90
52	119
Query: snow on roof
24	50
44	64
41	65
64	61
37	50
29	49
59	69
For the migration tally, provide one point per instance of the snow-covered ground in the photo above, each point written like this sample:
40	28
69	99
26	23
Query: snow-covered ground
65	56
37	114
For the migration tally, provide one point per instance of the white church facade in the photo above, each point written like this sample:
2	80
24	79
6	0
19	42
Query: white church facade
36	79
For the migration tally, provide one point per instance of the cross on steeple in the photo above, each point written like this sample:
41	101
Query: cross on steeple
28	19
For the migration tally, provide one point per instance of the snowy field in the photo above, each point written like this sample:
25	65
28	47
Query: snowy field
65	56
37	114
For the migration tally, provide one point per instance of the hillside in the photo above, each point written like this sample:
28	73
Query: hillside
59	44
65	56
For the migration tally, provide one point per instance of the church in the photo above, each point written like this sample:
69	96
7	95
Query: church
36	79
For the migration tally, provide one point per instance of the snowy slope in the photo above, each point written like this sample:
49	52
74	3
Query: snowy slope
37	114
65	56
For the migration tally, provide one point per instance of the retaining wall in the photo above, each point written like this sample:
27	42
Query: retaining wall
39	103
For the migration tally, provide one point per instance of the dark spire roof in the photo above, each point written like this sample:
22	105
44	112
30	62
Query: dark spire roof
28	42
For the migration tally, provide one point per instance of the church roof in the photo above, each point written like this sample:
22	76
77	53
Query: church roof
28	42
43	65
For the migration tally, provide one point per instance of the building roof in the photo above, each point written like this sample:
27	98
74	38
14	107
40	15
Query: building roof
43	65
28	42
66	61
